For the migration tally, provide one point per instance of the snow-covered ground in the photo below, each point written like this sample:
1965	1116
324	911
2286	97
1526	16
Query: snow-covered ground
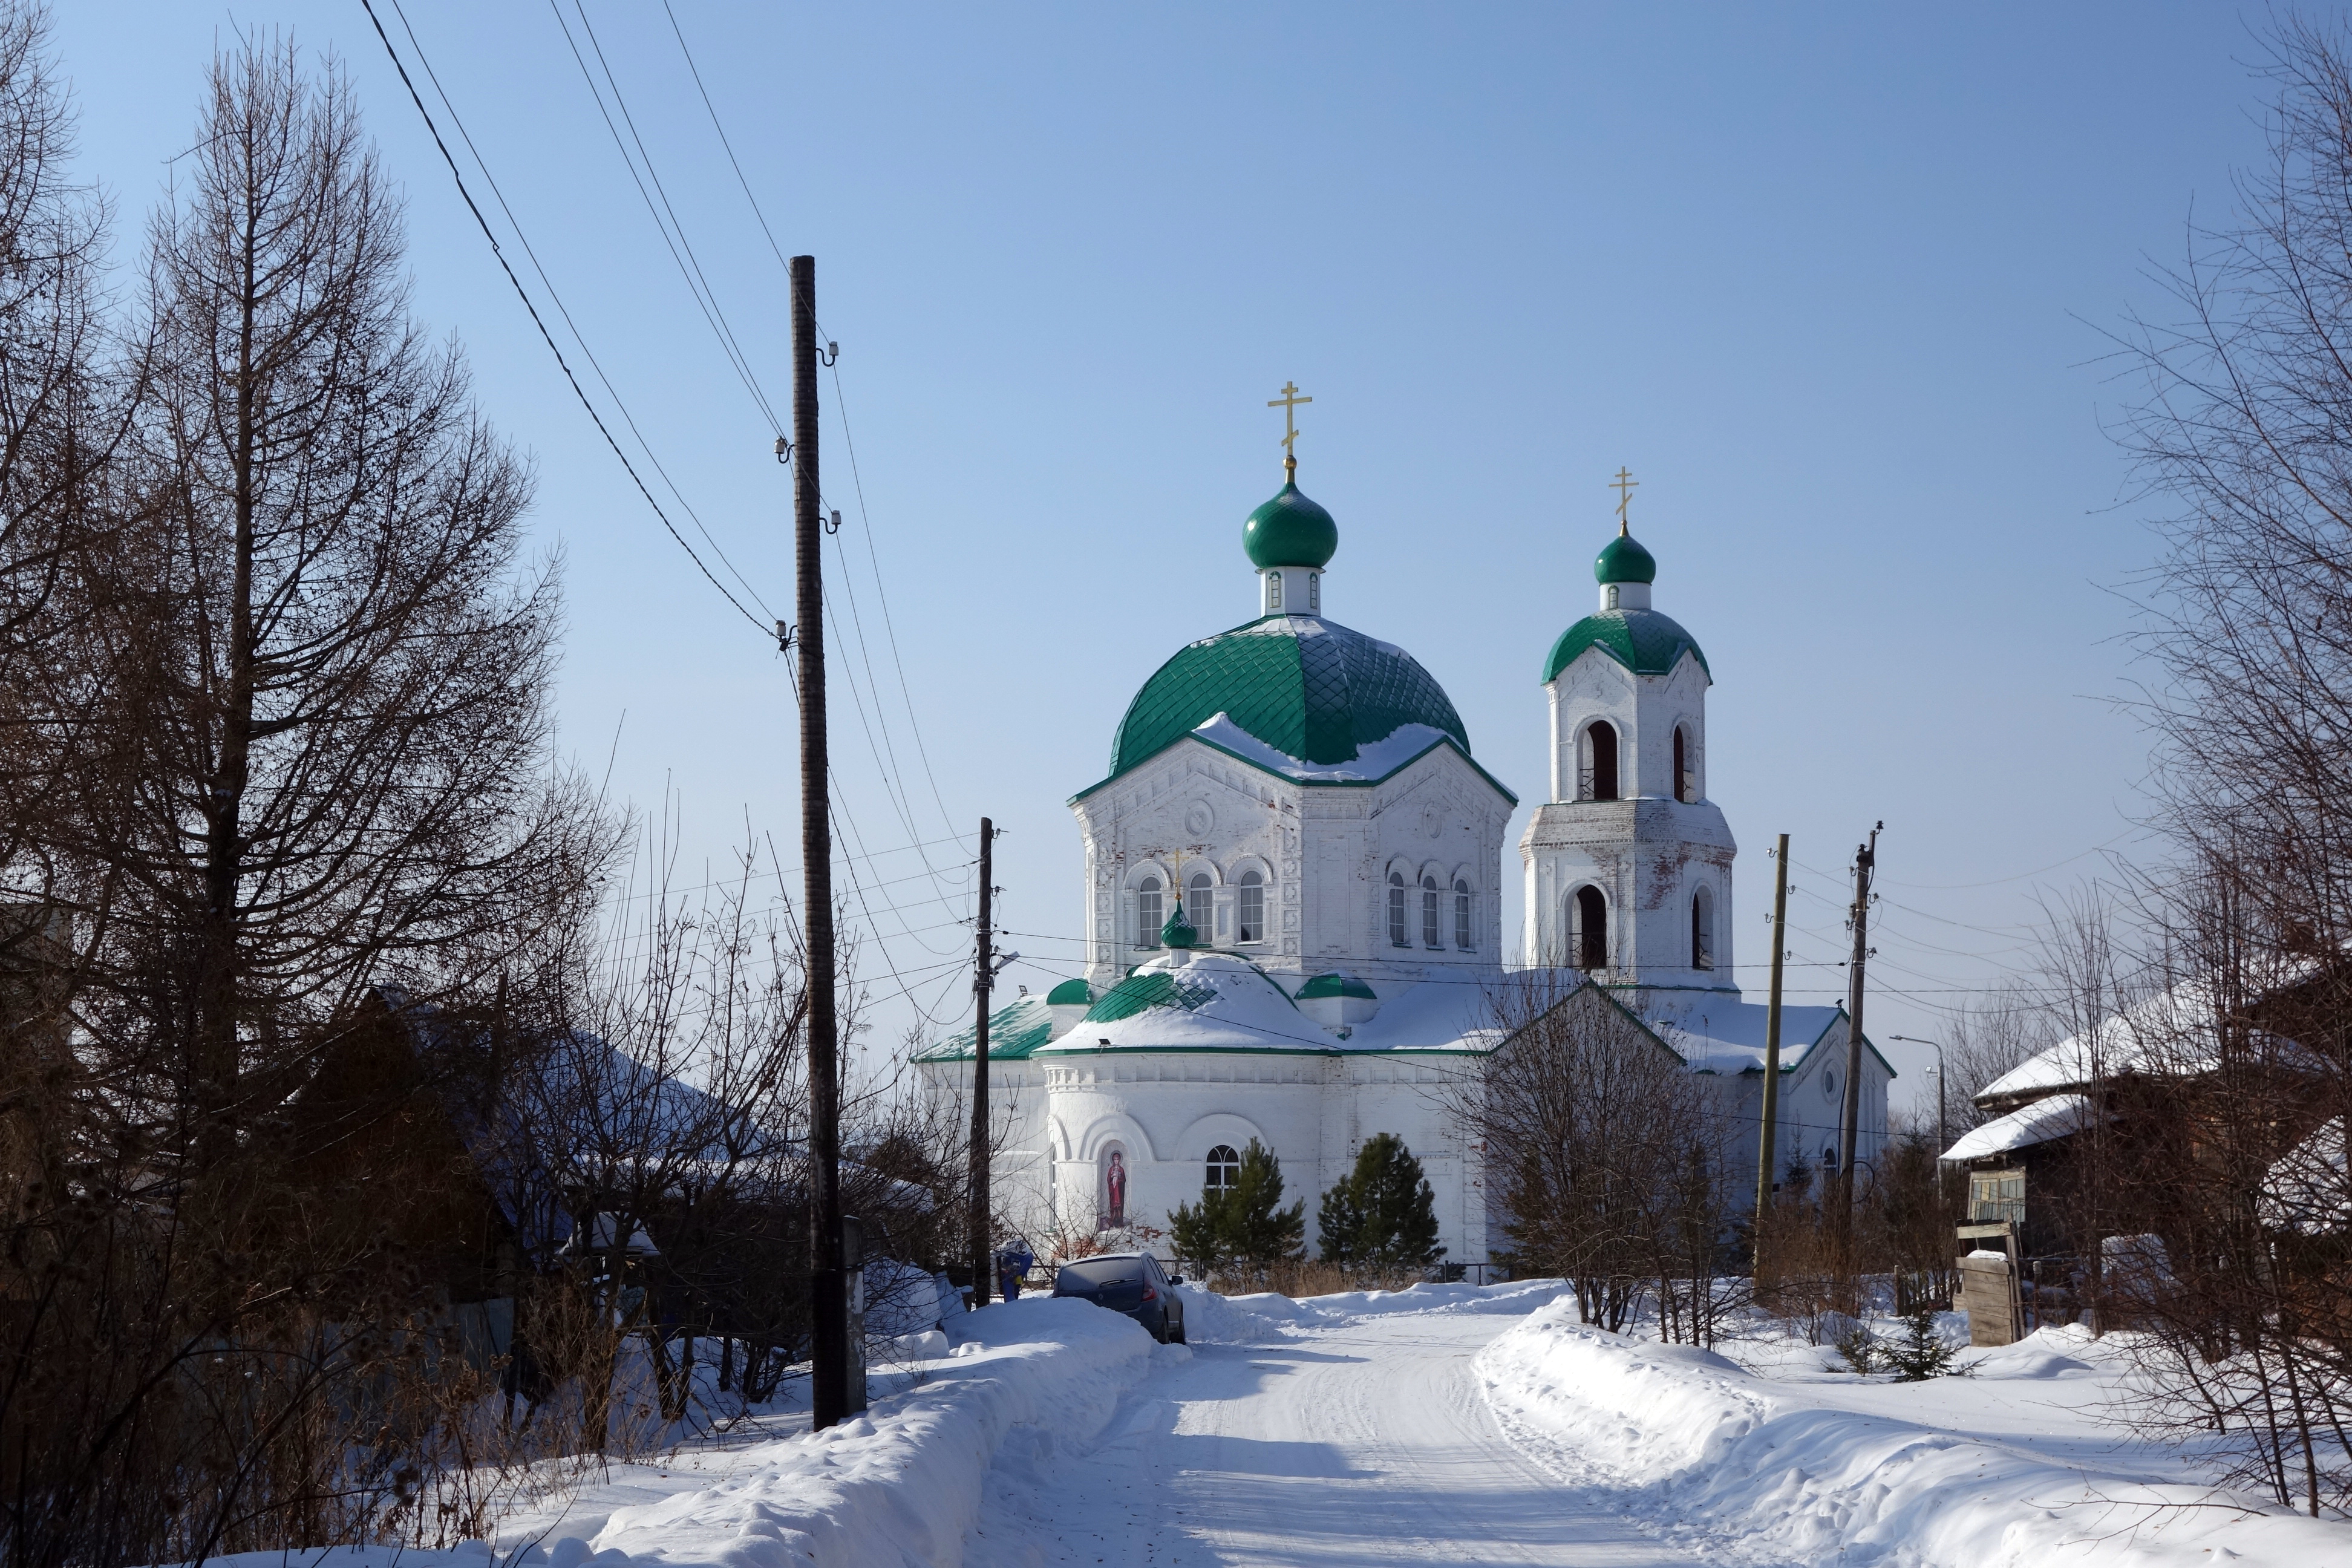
1445	1424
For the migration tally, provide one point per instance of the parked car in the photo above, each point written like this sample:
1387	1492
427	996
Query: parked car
1129	1283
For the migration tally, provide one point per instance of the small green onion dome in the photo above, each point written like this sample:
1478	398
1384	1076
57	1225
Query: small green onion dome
1179	933
1291	531
1623	559
1339	982
1071	994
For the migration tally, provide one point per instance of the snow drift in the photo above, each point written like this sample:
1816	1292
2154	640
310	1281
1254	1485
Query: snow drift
903	1486
1692	1439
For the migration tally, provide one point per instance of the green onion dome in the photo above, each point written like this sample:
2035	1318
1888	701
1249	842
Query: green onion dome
1291	531
1179	933
1623	559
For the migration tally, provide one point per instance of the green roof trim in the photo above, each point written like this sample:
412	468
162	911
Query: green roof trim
1644	641
1336	984
1014	1030
1071	994
1623	559
1290	530
1310	688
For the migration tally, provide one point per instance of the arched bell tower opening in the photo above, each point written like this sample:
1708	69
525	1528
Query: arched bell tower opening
1596	761
1588	928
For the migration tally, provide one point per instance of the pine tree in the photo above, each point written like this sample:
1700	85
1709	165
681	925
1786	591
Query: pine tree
1383	1215
1243	1223
1261	1231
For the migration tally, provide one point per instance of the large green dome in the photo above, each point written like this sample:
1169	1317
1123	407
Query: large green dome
1290	530
1309	689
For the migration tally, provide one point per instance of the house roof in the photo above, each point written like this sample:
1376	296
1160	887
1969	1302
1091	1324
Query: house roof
2175	1033
2044	1121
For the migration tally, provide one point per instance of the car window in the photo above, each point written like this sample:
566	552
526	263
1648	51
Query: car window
1103	1270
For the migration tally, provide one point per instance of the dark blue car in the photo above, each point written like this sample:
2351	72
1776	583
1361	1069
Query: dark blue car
1129	1283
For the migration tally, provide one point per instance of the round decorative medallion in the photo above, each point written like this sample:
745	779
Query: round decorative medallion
1433	821
1199	818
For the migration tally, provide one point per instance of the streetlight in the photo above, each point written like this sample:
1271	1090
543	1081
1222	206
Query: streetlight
1943	1137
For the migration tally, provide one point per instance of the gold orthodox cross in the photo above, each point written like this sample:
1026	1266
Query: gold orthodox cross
1624	484
1289	403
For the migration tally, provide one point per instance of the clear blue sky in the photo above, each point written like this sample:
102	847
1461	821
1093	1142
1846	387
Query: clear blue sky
1831	280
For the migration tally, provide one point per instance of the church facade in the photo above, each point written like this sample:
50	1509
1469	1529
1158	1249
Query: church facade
1293	916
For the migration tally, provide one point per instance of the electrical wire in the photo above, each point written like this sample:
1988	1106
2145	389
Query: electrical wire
524	294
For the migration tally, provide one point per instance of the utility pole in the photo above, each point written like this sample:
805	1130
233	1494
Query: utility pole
828	1287
1865	862
1767	1154
984	981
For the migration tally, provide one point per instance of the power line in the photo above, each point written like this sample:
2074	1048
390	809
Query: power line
690	266
524	294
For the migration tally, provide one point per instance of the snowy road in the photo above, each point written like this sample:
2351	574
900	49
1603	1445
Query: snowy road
1363	1444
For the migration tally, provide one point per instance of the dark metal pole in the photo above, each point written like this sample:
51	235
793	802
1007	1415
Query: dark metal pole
1866	861
1767	1154
983	982
828	1290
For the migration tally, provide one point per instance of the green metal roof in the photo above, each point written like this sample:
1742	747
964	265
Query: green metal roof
1014	1030
1644	641
1290	530
1310	688
1071	994
1336	984
1141	992
1623	559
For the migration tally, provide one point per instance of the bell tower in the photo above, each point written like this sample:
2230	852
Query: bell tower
1628	863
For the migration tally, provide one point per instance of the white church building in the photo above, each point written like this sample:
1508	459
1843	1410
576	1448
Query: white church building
1294	926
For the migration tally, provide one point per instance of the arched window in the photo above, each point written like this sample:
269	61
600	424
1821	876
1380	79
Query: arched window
1273	592
1596	765
1462	915
1685	779
1702	926
1589	928
1830	1158
1433	934
1225	1170
1252	903
1148	915
1398	936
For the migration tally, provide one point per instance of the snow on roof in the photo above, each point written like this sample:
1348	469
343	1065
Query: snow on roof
2307	1191
2170	1034
1370	764
1716	1032
2044	1121
1216	1000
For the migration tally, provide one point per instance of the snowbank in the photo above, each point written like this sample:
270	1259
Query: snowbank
901	1485
1692	1440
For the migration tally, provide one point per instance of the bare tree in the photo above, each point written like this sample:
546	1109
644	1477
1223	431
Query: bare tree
1605	1153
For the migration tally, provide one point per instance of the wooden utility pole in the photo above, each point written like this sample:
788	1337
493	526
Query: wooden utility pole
829	1288
1767	1154
1865	862
984	981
